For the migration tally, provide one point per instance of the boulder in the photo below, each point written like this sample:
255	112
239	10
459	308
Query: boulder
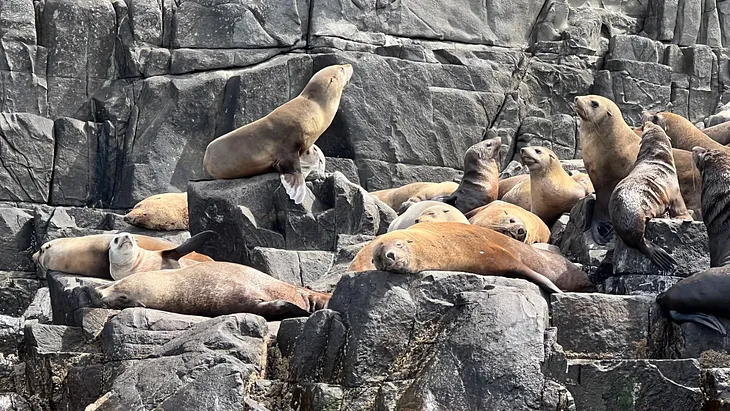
637	284
68	294
17	291
16	242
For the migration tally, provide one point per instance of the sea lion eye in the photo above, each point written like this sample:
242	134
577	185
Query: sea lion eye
538	151
116	240
594	104
512	220
446	211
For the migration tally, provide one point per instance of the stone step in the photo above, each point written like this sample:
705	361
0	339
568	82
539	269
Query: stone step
17	290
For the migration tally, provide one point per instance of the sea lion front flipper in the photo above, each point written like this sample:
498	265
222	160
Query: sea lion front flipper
278	310
292	179
658	255
708	320
192	244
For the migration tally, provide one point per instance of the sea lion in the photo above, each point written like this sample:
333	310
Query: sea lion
276	142
166	212
609	148
649	191
520	195
441	213
473	249
480	184
585	181
429	192
552	190
395	197
127	258
508	183
682	133
719	132
89	255
714	167
409	217
699	298
211	289
312	159
509	219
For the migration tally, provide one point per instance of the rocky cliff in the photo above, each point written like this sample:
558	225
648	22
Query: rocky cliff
105	102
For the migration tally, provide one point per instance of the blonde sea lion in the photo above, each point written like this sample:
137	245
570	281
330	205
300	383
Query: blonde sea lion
441	213
167	212
503	217
89	255
480	184
277	141
650	190
585	181
429	192
682	133
409	217
508	183
395	197
609	148
473	249
127	258
552	190
211	289
520	195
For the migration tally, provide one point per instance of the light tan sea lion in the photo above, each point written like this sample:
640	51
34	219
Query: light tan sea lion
395	197
441	213
719	132
473	249
650	190
508	183
167	212
520	195
480	184
312	159
609	148
127	258
552	190
585	181
89	255
429	192
682	133
211	289
276	141
409	217
502	217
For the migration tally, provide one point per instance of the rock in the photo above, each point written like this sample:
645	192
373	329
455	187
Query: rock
68	294
691	340
318	347
514	168
27	152
295	267
14	402
16	243
635	384
10	329
716	387
289	331
557	133
603	326
345	166
557	230
685	240
638	284
92	321
578	245
380	175
17	290
40	308
137	333
56	339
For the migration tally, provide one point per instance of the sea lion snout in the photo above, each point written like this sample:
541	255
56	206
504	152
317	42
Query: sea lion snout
698	156
391	257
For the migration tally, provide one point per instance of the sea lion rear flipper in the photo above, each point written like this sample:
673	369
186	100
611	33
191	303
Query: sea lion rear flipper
658	255
192	244
278	310
292	179
708	320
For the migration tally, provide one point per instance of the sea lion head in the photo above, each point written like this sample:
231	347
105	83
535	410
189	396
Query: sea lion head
483	151
42	256
585	181
117	295
650	117
123	250
392	255
594	109
538	159
713	160
440	213
654	135
328	82
511	226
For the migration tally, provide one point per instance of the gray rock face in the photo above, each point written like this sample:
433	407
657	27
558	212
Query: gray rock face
16	248
17	291
27	153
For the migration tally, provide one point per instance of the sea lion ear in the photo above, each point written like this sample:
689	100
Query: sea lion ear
608	112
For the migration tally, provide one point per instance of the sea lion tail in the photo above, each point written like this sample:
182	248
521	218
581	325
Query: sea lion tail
192	244
708	320
658	255
294	185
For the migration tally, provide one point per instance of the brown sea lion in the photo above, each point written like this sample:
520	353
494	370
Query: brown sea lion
168	211
719	132
480	184
430	192
552	190
473	249
714	167
413	213
395	197
503	217
277	141
682	133
211	289
649	191
508	183
89	255
127	258
609	148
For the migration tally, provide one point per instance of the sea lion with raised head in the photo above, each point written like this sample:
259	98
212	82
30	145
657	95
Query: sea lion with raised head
609	148
552	190
682	133
165	212
89	255
127	258
714	167
211	289
276	141
511	220
473	249
409	217
480	184
649	191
